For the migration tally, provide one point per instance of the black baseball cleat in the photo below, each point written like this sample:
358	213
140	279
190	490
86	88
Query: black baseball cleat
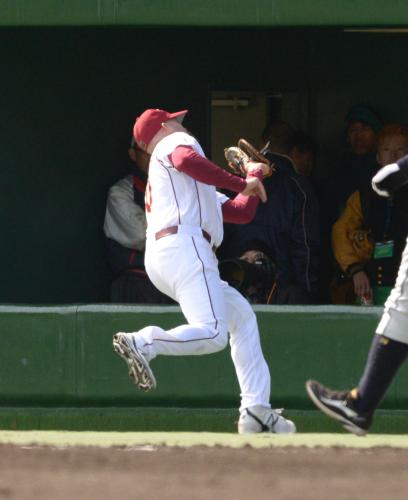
339	405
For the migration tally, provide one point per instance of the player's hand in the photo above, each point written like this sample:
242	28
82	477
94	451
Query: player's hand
251	166
254	187
362	287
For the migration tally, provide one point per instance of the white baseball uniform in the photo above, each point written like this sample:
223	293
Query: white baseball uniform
184	266
394	321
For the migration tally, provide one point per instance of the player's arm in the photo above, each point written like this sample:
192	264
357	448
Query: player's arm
391	177
187	160
241	209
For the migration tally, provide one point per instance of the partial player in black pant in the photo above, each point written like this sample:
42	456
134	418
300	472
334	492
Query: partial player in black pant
354	409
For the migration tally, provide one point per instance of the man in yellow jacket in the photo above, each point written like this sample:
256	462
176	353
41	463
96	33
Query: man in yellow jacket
368	237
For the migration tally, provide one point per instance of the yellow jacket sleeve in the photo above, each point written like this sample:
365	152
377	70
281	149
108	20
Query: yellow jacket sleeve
351	244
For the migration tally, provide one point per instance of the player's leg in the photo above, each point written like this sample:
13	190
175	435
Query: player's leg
389	348
355	408
251	368
246	352
185	268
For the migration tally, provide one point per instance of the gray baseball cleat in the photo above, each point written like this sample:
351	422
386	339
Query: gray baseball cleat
339	406
139	370
260	419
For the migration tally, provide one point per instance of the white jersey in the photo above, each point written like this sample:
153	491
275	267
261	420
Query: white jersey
174	198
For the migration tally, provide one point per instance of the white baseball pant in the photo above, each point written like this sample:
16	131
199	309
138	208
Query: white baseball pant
184	267
394	321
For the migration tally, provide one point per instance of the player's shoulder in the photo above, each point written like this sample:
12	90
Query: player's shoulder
172	141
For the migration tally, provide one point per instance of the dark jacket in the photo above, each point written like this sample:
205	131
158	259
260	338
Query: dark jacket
288	223
350	173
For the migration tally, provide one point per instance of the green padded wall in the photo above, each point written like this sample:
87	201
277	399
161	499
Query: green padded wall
63	356
205	13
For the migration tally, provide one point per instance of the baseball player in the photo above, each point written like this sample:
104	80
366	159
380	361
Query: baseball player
185	217
355	409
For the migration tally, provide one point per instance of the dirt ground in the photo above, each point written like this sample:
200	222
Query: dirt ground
200	473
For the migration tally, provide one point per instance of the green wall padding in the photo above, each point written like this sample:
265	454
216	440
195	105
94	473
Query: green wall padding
63	356
204	13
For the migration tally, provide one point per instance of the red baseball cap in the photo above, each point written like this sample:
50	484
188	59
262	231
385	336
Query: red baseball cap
149	123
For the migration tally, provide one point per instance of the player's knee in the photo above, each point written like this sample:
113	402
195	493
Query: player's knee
220	338
221	341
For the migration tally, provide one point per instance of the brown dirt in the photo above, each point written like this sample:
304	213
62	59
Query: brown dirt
150	473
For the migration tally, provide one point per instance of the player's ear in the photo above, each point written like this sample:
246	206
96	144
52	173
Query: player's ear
171	125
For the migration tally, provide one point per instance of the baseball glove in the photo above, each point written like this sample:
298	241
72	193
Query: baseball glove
238	157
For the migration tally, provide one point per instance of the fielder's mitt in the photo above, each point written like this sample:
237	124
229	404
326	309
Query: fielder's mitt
238	157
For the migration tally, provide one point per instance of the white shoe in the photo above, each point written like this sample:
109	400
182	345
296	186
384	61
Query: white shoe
139	370
260	419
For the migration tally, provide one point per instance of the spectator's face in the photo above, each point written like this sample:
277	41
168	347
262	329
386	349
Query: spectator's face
391	149
304	161
361	137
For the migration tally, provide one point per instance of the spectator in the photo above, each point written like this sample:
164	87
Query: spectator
356	165
351	169
287	224
303	153
368	238
125	231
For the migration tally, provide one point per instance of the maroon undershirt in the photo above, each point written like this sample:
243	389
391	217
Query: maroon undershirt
241	209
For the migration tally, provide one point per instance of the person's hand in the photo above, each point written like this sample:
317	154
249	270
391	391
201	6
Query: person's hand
254	187
252	256
362	287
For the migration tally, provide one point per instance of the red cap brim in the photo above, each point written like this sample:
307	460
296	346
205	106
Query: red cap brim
179	115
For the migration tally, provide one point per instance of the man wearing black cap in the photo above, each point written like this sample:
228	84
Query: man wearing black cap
358	164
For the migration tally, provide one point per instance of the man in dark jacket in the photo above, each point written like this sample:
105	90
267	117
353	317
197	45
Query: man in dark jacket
288	223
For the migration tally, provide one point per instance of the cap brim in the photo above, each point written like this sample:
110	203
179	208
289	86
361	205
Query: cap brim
179	115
